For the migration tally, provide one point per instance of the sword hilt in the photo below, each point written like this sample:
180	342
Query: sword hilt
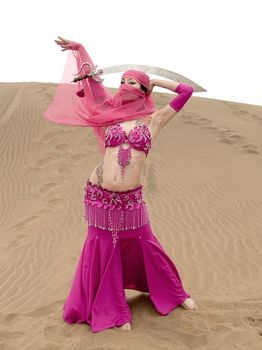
93	72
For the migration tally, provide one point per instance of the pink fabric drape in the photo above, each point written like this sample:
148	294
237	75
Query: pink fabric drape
97	108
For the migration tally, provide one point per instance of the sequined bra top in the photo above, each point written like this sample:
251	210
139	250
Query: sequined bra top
139	137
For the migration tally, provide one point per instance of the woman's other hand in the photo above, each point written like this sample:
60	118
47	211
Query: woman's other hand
151	86
67	44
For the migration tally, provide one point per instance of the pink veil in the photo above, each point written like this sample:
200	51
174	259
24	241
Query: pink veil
89	103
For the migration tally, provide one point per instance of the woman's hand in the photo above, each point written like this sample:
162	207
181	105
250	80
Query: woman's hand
67	44
151	86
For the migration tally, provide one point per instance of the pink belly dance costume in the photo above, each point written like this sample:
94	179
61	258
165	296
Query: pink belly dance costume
121	250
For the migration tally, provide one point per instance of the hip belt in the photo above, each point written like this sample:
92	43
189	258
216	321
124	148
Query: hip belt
115	211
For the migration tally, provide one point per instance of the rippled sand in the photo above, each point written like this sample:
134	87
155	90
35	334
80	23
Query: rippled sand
203	186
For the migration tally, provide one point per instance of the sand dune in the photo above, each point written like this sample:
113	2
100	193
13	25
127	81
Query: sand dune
203	186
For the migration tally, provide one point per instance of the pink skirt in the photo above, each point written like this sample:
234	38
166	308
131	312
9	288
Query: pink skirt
120	252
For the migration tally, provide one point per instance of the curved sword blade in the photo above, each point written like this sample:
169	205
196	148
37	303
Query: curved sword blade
157	71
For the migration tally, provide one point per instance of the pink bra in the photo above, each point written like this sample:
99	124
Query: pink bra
139	137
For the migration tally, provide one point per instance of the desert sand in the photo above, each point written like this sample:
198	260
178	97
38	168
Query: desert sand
203	185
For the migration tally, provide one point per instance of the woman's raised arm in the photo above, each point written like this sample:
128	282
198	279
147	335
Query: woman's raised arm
184	92
99	91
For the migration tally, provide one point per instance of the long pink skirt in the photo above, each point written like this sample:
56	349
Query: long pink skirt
120	252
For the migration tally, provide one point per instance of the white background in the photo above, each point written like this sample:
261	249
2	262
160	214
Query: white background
216	44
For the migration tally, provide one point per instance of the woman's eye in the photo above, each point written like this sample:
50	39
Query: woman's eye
132	82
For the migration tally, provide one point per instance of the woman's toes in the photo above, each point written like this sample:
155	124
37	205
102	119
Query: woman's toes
190	304
196	307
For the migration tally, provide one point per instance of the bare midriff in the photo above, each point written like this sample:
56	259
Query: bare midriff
107	173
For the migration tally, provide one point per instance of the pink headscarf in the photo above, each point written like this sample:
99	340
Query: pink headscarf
89	103
140	76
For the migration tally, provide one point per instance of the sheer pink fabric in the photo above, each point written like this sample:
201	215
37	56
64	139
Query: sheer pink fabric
89	103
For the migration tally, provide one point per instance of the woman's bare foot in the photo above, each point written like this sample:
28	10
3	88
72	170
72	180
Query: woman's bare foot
125	327
190	304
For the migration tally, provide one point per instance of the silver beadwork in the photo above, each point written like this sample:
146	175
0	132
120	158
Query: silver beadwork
122	150
114	230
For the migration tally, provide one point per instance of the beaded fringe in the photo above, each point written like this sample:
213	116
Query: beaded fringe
116	219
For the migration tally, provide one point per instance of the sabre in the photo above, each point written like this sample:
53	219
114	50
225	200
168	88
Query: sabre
95	74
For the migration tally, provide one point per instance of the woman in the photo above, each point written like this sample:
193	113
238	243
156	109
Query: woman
121	251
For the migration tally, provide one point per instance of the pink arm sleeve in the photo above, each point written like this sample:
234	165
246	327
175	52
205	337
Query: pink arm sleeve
184	93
